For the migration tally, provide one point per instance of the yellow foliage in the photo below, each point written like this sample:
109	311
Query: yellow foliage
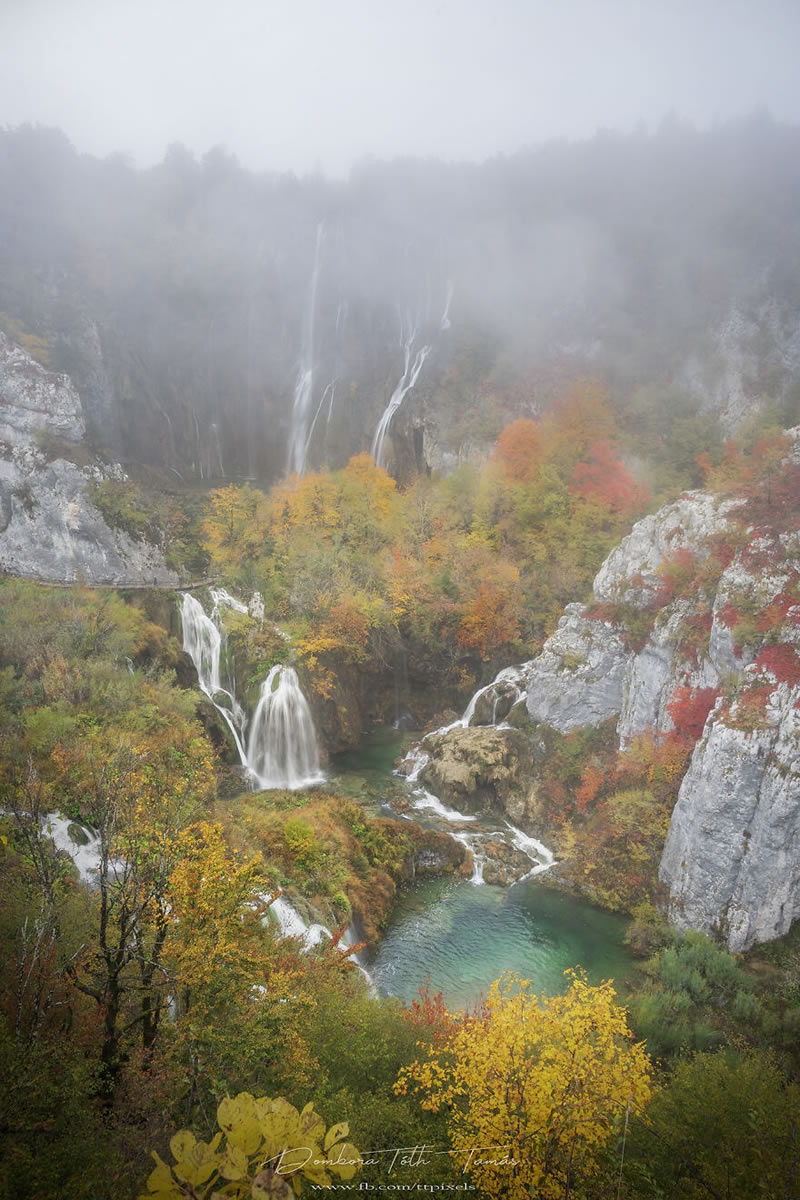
269	1146
541	1084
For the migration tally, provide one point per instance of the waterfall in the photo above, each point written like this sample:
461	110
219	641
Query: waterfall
408	379
81	844
299	434
508	683
292	925
202	641
281	749
537	852
282	746
445	323
515	676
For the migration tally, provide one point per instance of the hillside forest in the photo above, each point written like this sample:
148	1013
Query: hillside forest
162	1032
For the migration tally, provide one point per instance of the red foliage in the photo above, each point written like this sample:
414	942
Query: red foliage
729	615
519	449
606	480
782	660
764	550
778	611
689	708
429	1014
603	610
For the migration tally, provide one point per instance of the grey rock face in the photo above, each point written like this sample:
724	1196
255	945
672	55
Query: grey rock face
49	529
653	674
685	525
732	855
578	678
33	398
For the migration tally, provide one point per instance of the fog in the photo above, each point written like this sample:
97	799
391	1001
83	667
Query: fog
312	85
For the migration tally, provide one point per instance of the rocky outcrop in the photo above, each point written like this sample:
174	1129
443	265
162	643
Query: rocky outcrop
591	669
479	767
49	528
578	678
732	855
669	614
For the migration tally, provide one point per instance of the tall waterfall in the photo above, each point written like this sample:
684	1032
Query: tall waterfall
409	377
281	750
299	433
282	746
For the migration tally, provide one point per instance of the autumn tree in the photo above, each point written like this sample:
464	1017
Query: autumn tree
519	449
543	1081
234	525
603	478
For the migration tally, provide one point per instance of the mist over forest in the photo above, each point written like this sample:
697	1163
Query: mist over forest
399	600
177	297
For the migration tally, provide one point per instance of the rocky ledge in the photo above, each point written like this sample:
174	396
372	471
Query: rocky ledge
49	528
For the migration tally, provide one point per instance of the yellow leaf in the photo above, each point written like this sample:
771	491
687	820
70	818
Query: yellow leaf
336	1133
181	1144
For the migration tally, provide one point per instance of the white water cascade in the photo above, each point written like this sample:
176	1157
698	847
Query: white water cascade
508	683
299	433
408	379
282	746
280	750
202	641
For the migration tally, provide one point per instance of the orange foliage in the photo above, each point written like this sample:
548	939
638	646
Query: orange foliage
592	781
312	500
430	1017
519	449
376	484
584	415
491	619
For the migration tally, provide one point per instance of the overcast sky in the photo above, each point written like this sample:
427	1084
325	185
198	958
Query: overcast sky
306	84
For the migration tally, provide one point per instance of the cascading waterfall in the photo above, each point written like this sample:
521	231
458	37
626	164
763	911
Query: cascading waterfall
409	377
299	433
281	748
202	641
508	683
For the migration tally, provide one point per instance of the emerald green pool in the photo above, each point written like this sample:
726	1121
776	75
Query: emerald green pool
460	937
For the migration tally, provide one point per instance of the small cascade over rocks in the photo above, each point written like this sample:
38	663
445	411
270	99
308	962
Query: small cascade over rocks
280	749
509	685
203	641
80	843
500	853
292	925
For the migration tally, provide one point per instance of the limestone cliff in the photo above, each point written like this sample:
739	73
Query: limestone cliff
698	600
49	528
667	614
